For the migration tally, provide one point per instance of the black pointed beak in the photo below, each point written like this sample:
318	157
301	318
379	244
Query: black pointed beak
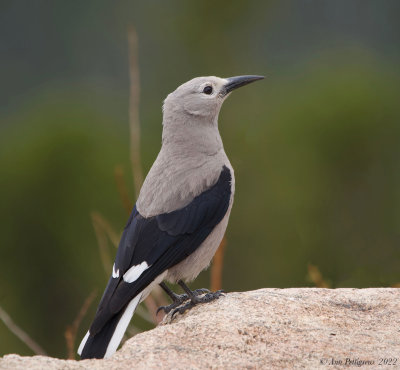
239	81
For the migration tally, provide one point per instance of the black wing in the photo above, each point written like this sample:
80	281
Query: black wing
161	241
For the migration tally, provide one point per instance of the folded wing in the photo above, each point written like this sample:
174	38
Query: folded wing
149	246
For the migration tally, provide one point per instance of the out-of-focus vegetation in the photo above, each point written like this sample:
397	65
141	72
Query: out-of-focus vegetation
315	146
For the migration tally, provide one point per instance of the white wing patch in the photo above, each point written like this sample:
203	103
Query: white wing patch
134	272
115	274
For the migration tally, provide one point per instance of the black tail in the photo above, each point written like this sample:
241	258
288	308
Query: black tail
105	342
96	345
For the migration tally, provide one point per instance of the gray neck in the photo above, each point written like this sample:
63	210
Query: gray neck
191	135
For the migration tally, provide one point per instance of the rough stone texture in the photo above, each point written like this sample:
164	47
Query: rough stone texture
266	328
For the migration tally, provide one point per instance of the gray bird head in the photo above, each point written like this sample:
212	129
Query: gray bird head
202	97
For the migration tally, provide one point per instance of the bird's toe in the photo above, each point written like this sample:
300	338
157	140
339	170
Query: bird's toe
201	291
195	300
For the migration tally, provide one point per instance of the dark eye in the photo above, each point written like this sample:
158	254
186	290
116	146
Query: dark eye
208	90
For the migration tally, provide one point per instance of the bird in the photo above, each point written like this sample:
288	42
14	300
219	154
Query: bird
179	218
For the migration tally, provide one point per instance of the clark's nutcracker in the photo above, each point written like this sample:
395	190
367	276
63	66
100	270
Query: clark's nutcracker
180	216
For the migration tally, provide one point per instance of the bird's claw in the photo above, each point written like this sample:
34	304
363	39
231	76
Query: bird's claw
182	298
179	299
208	297
200	291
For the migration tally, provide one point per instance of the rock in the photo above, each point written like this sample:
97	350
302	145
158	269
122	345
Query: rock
266	328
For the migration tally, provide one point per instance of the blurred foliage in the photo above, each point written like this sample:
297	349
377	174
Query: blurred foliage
315	146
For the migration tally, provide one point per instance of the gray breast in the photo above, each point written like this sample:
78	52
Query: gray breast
174	181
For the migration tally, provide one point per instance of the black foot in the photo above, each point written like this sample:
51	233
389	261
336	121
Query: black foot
195	299
178	299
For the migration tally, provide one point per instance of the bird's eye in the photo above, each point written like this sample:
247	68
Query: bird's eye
208	90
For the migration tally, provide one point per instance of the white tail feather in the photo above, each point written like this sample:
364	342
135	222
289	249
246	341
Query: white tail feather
84	340
121	326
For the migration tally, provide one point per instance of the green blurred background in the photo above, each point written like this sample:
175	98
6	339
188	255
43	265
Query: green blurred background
315	146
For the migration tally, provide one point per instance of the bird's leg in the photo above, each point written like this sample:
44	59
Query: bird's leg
177	299
195	299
